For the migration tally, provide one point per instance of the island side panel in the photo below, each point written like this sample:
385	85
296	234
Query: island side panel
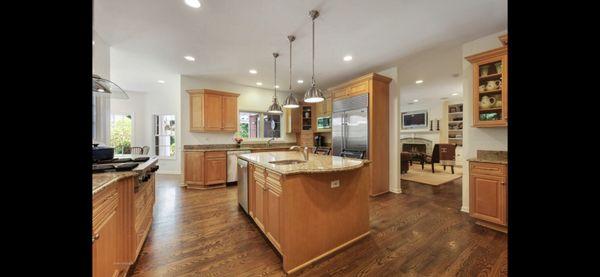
319	218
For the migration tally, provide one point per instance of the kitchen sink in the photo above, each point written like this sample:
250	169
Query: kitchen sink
287	162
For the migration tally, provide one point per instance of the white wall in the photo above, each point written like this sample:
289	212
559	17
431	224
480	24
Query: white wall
394	131
143	105
250	99
100	56
477	138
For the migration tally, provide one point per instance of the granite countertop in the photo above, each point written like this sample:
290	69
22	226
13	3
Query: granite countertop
233	147
101	181
489	156
315	163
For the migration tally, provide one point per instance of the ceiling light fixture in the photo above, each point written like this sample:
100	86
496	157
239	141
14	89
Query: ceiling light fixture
276	86
291	102
189	58
275	108
418	81
193	3
161	81
300	81
455	94
314	94
348	58
252	71
258	83
416	100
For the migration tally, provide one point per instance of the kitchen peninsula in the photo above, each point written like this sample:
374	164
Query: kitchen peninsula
308	208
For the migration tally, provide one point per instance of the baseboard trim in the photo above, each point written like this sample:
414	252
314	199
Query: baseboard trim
397	191
464	209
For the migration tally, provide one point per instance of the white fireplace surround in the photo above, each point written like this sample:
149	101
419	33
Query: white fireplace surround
428	143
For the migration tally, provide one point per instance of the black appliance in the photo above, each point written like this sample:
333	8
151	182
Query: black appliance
319	140
100	153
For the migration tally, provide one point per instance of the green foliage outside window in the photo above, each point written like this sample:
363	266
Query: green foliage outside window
120	135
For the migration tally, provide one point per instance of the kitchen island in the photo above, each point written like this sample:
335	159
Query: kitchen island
311	208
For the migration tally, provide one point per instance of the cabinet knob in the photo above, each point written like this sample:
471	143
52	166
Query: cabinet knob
95	237
502	183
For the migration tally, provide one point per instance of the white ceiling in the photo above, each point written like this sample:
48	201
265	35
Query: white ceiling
228	37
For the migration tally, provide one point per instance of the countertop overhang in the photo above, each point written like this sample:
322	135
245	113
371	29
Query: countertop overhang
315	163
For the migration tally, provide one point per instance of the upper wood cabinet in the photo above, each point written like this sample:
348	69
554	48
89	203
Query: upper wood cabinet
490	86
213	111
324	108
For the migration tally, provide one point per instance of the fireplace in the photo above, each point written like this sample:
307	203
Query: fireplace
414	147
420	145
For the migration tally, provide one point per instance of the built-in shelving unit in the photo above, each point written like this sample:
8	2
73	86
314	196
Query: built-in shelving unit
455	124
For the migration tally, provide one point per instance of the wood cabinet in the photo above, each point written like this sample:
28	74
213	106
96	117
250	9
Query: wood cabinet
324	108
265	203
490	87
377	88
104	233
260	190
203	170
488	194
213	111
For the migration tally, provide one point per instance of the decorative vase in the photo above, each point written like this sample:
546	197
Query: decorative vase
498	104
493	85
485	102
498	67
485	70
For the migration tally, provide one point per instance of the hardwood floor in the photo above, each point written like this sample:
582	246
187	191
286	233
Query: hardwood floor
420	233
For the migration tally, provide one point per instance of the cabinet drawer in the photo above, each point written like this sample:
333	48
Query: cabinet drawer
488	169
362	87
215	154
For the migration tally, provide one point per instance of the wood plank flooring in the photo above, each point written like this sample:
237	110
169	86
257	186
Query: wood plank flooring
419	233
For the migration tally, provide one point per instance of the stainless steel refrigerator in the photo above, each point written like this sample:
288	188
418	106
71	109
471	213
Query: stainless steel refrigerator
350	128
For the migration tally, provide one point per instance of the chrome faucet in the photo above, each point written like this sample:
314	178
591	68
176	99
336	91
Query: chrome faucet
304	151
269	141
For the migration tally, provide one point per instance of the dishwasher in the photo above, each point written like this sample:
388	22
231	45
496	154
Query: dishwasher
242	183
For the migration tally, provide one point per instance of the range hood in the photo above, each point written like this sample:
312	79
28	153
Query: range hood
101	85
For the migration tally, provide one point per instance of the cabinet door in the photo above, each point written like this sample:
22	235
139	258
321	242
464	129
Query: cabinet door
359	88
104	248
296	120
251	190
488	198
259	202
340	92
194	168
196	112
273	208
215	170
230	113
213	115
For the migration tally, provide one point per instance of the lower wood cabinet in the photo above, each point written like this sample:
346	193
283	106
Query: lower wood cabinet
265	203
203	170
488	194
104	234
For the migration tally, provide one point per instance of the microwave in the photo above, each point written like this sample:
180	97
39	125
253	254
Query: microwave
324	122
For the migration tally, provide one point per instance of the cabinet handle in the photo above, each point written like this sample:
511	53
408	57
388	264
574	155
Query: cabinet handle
95	237
502	183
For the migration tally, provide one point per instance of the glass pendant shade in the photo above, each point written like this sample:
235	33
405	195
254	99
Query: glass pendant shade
275	108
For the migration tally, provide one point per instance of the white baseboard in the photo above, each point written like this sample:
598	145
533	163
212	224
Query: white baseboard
396	190
168	172
464	209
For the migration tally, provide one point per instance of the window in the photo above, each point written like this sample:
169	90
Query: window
120	133
259	125
164	136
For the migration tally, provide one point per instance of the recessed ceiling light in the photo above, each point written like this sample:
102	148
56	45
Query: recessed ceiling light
93	42
190	58
300	81
252	71
416	100
418	81
193	3
161	81
258	83
276	86
455	94
347	58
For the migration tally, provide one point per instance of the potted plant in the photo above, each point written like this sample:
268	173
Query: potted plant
238	139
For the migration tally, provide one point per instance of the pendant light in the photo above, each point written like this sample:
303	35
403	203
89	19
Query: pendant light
314	94
291	102
275	108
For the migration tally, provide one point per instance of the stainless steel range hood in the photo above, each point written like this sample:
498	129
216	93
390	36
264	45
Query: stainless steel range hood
101	85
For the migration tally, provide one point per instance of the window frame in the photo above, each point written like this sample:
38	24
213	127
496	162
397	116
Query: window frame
155	135
261	127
